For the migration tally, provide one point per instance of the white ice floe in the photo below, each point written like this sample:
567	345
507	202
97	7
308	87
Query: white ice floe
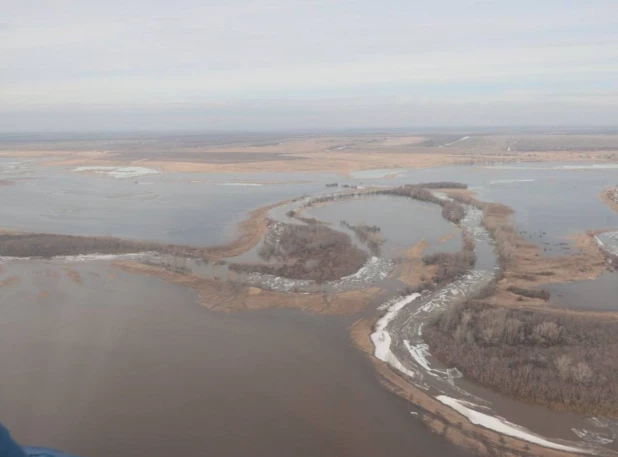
93	257
382	340
371	269
501	425
83	257
509	181
241	184
375	269
592	437
594	166
119	172
608	242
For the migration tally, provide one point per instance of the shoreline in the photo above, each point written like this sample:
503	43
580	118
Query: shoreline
606	197
230	297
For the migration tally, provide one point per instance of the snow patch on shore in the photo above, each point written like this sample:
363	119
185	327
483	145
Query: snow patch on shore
84	257
608	242
509	181
382	340
119	172
503	426
375	269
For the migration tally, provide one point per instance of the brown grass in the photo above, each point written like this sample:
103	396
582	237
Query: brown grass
10	281
607	198
74	276
227	296
322	154
411	270
251	231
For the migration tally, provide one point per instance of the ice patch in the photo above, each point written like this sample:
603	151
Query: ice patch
375	269
382	340
509	181
608	242
119	172
241	184
592	437
84	257
503	426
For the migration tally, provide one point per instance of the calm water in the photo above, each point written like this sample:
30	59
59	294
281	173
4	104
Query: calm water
403	222
600	294
124	365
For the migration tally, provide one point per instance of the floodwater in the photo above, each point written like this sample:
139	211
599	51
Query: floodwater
128	365
403	222
600	294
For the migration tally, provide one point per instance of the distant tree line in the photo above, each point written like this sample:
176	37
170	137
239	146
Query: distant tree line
50	245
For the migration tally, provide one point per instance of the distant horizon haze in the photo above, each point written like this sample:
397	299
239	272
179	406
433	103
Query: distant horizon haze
306	64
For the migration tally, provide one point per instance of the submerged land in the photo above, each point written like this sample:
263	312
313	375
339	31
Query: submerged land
459	326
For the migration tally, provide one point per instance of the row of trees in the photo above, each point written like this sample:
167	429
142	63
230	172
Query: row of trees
368	235
307	252
564	361
496	222
50	245
452	265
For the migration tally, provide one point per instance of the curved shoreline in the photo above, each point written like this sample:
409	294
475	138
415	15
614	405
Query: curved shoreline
229	297
610	198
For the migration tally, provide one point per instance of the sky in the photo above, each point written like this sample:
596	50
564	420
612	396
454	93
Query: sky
306	64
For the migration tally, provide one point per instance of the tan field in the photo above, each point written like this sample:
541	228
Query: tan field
339	154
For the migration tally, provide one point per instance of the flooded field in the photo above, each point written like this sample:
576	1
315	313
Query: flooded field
98	352
109	363
600	294
402	222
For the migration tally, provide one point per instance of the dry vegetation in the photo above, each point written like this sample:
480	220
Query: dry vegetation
311	251
452	265
48	245
368	235
453	211
610	198
230	296
562	360
339	154
441	418
508	342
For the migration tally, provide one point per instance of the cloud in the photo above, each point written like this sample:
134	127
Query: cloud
159	54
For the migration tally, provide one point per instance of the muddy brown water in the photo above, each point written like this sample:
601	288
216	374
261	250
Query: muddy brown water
125	365
600	294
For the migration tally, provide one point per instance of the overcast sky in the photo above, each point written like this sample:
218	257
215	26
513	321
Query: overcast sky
279	64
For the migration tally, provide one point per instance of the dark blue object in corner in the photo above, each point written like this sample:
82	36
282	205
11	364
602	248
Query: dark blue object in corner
9	448
43	452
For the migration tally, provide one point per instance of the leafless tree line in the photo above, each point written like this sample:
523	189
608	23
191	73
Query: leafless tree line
452	265
564	361
50	245
313	252
368	235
